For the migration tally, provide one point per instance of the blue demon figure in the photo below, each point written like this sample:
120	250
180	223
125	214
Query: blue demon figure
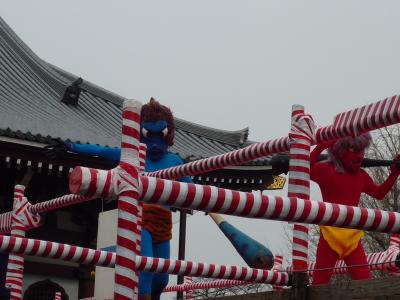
157	131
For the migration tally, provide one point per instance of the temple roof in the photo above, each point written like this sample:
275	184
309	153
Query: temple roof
31	91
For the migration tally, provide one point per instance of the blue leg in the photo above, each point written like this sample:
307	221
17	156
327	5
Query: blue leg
145	279
160	281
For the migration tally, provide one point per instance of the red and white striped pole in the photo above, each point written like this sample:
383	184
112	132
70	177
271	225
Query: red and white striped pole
142	263
301	136
142	163
126	184
189	292
21	220
57	296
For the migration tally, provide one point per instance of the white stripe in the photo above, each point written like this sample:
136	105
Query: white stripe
86	179
213	198
166	192
356	217
257	203
271	206
182	196
198	195
341	217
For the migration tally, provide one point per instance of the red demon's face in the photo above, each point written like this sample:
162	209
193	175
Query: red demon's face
352	159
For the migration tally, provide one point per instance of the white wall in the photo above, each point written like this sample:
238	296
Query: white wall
106	236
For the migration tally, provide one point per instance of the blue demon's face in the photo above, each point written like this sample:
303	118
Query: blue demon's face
153	135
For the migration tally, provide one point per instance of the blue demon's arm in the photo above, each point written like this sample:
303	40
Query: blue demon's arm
110	154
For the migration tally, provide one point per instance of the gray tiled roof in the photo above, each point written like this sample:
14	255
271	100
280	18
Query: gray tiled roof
30	103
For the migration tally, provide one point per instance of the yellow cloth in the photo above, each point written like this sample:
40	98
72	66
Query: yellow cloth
341	240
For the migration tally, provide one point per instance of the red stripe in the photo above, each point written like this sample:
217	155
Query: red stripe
391	222
292	208
126	262
84	254
350	215
47	248
191	193
304	157
211	270
221	196
206	197
306	209
299	169
93	183
397	110
278	207
299	241
359	119
300	182
126	243
107	185
248	204
374	113
234	203
390	110
131	115
71	253
381	117
175	189
200	269
131	132
377	219
243	273
158	190
96	258
321	212
263	207
60	250
363	217
335	213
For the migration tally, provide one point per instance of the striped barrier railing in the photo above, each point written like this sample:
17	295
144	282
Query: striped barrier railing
141	263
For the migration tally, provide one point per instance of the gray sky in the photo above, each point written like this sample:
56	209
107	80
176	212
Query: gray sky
225	64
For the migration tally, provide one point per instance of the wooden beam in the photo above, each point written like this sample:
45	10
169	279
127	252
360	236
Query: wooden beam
385	288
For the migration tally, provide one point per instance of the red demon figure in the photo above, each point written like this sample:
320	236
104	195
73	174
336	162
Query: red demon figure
341	181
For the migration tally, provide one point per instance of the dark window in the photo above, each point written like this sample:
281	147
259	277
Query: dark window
44	290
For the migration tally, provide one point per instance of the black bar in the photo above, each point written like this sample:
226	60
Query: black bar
182	244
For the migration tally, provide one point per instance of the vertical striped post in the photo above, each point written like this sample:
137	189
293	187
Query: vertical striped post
301	136
142	163
57	296
278	261
126	279
189	293
15	267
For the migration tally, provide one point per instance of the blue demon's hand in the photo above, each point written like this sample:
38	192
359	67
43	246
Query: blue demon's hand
56	147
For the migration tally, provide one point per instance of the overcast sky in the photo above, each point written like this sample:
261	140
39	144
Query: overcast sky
225	64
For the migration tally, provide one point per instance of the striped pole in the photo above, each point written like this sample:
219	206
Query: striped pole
213	284
141	263
301	135
189	292
261	206
57	296
385	260
126	181
22	220
362	119
42	207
